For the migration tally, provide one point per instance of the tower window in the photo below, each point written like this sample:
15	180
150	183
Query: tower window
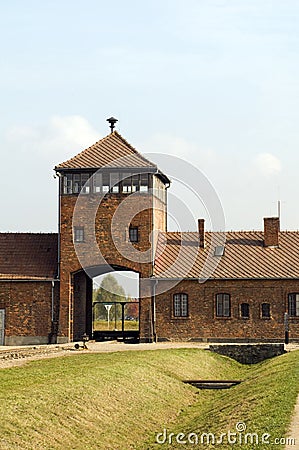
114	182
97	182
79	234
68	184
133	234
180	305
127	183
106	183
144	182
223	305
135	183
76	183
85	188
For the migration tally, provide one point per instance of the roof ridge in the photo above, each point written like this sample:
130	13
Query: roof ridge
106	140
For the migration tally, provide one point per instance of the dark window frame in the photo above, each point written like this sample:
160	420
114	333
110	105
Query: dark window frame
133	234
79	235
244	310
223	304
266	310
293	304
106	182
180	305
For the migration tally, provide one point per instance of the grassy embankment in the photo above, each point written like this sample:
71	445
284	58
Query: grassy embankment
120	401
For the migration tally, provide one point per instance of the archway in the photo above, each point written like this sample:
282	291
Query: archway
101	314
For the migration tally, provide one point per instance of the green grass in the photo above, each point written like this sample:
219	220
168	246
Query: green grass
102	325
264	402
122	400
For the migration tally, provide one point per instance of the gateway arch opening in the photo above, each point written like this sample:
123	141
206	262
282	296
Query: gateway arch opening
106	306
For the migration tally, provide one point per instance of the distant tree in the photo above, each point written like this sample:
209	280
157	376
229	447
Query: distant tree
110	291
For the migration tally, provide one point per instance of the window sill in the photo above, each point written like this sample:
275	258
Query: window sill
223	318
180	317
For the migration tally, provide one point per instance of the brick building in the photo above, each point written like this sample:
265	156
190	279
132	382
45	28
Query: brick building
113	216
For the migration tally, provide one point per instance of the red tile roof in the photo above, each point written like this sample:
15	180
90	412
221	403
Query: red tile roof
178	256
28	255
111	151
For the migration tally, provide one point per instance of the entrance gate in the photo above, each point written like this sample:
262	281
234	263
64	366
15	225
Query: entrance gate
2	326
115	320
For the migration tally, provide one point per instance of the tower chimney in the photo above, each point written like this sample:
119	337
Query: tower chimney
201	232
271	231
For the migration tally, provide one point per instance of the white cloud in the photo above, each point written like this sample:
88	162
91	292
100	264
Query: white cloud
30	154
56	140
267	164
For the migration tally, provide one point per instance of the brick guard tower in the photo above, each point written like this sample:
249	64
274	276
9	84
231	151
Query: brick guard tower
107	174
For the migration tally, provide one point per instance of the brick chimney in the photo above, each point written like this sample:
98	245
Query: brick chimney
271	231
201	232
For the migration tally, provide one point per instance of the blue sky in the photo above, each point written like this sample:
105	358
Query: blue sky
214	82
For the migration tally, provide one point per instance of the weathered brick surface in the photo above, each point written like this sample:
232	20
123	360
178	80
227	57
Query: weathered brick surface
271	231
113	246
28	309
202	323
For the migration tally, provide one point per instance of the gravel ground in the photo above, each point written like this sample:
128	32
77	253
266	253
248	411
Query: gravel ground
17	356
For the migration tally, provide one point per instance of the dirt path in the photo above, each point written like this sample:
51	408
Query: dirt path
17	356
294	430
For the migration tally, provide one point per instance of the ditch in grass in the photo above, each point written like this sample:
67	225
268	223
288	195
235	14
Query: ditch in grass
121	401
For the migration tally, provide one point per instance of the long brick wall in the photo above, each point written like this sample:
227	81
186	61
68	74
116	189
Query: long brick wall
203	324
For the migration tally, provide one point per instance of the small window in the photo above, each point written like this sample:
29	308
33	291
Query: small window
133	234
294	305
97	182
180	305
135	183
76	183
144	182
85	188
68	184
106	184
127	183
114	182
79	234
219	250
245	310
266	311
223	305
